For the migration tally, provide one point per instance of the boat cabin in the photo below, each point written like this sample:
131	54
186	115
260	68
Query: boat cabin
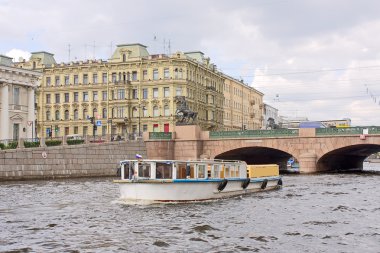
174	169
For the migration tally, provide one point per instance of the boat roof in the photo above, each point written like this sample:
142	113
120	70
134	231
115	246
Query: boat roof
184	161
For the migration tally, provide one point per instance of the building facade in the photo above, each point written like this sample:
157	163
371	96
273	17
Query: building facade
130	93
17	101
243	106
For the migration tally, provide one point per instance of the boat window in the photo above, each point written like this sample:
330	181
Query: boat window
164	170
233	171
201	171
217	171
181	170
126	171
227	170
144	169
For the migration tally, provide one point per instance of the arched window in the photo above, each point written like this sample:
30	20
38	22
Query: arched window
166	110
104	113
155	111
67	115
94	112
57	115
47	115
145	112
84	114
76	114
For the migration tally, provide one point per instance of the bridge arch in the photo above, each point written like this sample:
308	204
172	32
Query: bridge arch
256	155
346	158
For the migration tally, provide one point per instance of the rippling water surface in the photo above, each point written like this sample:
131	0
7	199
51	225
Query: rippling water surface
312	213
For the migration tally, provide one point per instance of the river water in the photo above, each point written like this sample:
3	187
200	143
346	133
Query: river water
311	213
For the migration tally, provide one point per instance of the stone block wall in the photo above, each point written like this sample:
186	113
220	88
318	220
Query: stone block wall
86	160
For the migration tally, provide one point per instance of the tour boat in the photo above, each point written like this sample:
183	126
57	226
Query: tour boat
193	180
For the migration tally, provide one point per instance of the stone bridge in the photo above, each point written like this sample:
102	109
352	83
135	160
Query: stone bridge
316	149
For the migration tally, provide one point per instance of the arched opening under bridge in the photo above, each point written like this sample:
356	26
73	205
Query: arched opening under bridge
257	155
347	158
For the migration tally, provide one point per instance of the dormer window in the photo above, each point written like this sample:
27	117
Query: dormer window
124	57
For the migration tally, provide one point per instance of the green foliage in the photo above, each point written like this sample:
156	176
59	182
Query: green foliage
74	142
50	143
11	145
31	144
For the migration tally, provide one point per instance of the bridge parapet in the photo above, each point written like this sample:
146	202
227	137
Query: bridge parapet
347	131
254	134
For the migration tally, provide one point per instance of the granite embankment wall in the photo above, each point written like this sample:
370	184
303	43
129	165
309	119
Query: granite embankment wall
86	160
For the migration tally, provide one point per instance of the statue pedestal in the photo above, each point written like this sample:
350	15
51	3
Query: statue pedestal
187	132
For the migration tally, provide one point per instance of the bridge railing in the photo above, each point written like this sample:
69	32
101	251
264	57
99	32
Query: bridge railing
347	131
254	133
160	135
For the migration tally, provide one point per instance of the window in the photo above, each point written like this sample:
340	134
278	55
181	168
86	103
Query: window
67	80
178	91
155	127
155	74
57	115
166	110
48	101
104	130
104	78
85	130
95	78
144	170
201	171
85	79
114	77
95	113
166	92
94	96
155	111
121	94
76	114
145	93
134	94
75	96
85	96
76	130
145	128
164	170
104	113
135	112
67	97
48	81
57	81
166	73
155	92
84	114
120	112
104	95
134	75
57	98
67	115
47	115
145	74
145	112
76	80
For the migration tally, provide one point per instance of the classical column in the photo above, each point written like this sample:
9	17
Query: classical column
31	113
4	117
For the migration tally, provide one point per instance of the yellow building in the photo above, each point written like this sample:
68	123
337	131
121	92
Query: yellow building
134	92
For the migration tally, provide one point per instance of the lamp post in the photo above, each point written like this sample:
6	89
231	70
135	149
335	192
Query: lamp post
126	127
139	120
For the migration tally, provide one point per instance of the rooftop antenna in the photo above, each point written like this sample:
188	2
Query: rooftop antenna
169	48
155	42
94	51
111	48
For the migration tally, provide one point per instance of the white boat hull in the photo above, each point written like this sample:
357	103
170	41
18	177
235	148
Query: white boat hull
188	190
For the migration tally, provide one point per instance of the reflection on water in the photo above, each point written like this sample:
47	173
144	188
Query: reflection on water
312	213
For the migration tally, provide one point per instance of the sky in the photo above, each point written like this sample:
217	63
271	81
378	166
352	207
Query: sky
318	59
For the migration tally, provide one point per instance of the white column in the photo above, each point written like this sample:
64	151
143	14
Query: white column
4	117
31	115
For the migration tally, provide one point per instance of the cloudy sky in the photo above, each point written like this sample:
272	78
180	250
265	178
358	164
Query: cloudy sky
318	59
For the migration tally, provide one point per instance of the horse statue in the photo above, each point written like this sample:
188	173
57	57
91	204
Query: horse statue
271	124
183	112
